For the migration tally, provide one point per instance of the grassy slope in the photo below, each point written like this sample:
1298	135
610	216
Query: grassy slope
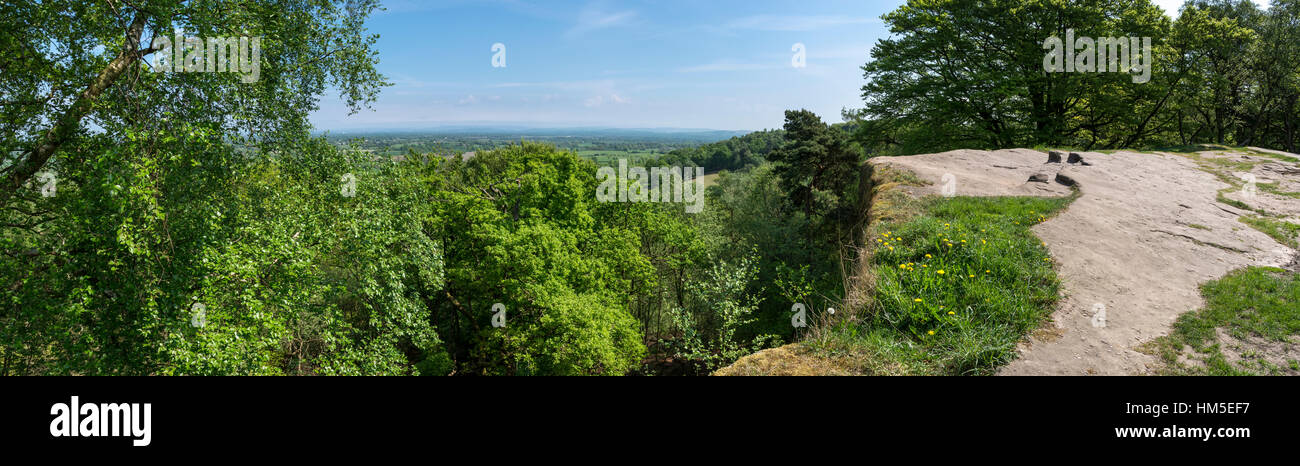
957	285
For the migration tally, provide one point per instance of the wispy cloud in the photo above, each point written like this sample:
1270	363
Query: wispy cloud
592	19
797	23
598	100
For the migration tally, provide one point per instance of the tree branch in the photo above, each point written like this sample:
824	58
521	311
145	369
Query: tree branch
34	159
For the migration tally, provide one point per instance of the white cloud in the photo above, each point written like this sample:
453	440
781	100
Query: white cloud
599	100
591	20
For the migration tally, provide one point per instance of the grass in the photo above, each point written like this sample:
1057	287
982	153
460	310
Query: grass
1259	302
956	287
1284	232
1223	170
1276	189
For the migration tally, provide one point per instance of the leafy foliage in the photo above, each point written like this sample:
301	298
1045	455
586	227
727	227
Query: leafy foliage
970	74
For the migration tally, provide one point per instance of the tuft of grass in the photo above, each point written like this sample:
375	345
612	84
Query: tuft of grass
1284	158
1198	226
1259	302
1284	232
957	286
1276	189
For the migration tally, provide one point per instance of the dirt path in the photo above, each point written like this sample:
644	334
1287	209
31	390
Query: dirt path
1131	251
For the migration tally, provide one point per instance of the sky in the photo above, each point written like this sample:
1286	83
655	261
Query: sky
721	64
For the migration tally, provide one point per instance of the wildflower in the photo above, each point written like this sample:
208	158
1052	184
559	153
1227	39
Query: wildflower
972	275
917	300
987	271
931	332
940	272
952	313
927	256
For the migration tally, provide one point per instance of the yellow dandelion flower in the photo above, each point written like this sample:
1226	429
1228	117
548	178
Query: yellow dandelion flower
931	332
917	300
952	313
972	275
940	272
927	256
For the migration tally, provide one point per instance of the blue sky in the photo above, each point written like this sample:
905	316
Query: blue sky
629	64
626	64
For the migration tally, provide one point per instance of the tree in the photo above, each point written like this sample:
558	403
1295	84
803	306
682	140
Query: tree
968	73
185	234
818	168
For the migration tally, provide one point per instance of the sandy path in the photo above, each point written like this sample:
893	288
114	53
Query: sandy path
1143	236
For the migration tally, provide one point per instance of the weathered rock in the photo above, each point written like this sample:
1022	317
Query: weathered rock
1075	157
1040	178
1055	156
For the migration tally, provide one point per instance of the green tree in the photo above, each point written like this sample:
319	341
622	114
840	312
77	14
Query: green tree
818	169
186	192
970	74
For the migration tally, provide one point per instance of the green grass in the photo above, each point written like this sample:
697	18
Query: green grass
997	284
1284	232
1253	302
1276	189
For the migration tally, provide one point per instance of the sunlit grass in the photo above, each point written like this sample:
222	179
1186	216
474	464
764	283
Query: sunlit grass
1257	302
1284	232
956	288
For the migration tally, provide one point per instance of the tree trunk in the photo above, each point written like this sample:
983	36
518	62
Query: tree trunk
64	126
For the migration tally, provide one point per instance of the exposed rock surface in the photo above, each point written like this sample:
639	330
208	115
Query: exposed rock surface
1145	233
